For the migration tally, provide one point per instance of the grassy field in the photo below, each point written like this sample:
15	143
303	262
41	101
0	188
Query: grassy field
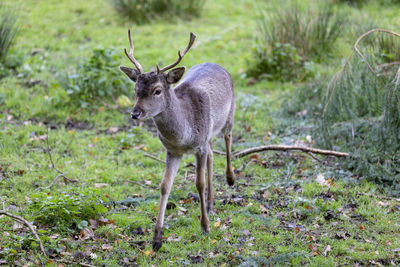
285	208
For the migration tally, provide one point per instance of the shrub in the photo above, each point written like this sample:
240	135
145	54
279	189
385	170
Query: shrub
289	40
67	210
148	10
361	114
96	80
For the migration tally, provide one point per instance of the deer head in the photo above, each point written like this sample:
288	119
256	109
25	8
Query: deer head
152	88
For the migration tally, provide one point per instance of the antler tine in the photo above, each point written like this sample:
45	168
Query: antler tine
130	55
180	56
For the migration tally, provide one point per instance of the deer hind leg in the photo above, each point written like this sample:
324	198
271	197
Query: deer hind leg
230	177
201	159
210	191
172	165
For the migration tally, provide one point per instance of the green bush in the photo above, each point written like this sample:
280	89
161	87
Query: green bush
362	115
288	41
96	80
148	10
67	210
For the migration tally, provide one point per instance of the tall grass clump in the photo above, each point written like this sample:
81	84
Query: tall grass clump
357	3
288	41
142	11
362	115
8	31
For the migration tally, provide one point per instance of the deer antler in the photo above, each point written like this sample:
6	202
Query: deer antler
130	55
180	56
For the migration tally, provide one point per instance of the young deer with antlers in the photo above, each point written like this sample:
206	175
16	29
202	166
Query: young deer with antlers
187	117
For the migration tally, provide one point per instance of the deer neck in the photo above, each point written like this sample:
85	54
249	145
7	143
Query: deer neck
172	123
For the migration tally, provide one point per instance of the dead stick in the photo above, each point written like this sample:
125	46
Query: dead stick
152	157
252	150
74	262
20	219
366	34
61	174
219	152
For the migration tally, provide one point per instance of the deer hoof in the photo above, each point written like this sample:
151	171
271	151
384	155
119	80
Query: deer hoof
210	208
205	228
230	178
157	245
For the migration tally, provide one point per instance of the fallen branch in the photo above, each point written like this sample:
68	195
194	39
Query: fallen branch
252	150
28	224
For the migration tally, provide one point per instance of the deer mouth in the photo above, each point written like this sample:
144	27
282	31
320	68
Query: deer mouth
138	114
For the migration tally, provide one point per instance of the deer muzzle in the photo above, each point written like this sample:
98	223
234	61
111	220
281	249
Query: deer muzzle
136	113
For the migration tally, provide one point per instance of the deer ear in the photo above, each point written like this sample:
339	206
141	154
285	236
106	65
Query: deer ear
175	75
131	73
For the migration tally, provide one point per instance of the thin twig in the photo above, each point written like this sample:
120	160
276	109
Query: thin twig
28	224
53	182
252	150
152	157
314	157
53	166
332	83
366	34
75	262
140	184
219	152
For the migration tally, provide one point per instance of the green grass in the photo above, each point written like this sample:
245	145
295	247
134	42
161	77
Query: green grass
290	218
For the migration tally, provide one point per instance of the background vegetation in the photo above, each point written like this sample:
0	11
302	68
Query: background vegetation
75	165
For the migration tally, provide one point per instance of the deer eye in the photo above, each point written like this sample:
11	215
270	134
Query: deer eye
157	92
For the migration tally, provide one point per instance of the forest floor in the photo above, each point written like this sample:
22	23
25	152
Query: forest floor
285	207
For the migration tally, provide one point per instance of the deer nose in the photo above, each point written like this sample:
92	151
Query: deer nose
135	114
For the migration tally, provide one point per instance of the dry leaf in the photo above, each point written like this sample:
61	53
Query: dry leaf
85	234
106	247
113	129
217	224
246	232
17	226
321	180
254	157
327	249
100	185
54	236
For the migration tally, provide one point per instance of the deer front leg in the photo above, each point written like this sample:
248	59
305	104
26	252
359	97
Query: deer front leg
172	165
201	159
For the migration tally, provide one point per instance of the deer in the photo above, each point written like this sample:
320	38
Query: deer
187	116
